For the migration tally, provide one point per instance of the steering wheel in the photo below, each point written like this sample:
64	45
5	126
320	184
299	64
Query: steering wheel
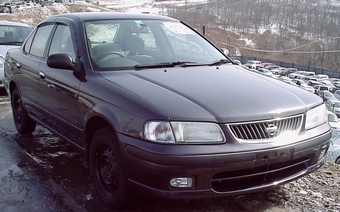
103	56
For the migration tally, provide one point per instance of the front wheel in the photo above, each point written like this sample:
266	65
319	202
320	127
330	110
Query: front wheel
23	123
107	169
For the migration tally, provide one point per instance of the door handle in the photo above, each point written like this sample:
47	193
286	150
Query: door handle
51	86
18	65
42	75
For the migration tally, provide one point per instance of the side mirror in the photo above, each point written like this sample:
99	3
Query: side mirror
60	61
225	51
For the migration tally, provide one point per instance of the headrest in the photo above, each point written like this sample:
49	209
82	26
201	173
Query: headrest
133	43
9	34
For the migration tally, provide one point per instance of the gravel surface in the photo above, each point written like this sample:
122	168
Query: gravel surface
318	191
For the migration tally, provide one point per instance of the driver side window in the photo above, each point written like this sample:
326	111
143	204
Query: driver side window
62	42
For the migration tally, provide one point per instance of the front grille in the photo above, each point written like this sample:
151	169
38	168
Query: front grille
234	181
265	129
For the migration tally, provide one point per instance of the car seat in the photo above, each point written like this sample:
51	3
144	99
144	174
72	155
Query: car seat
8	36
135	47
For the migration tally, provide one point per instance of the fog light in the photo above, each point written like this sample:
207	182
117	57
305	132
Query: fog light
181	182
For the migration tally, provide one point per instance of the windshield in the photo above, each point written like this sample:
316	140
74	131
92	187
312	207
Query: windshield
328	95
13	35
327	83
125	44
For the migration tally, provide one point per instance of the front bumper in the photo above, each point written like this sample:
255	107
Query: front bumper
216	175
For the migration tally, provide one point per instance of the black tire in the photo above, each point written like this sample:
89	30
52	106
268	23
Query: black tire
24	124
337	161
107	169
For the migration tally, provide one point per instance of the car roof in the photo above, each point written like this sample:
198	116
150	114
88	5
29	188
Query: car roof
86	16
12	23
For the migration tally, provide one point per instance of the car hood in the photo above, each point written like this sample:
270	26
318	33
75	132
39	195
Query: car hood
226	93
5	48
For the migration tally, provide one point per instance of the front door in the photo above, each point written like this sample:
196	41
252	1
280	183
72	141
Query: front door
58	89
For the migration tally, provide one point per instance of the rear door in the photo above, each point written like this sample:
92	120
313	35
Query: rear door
27	63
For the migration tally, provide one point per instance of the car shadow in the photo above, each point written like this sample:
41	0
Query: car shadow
3	92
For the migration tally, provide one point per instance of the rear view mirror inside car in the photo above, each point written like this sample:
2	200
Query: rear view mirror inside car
140	28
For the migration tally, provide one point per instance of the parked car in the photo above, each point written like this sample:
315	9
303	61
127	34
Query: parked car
12	35
272	67
287	80
326	95
337	94
321	88
265	72
303	85
5	9
288	71
278	70
254	64
238	62
313	83
115	86
264	65
333	120
333	153
301	73
328	83
46	3
322	77
334	106
307	80
334	80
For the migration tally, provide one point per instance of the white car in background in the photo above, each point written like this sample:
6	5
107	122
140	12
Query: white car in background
12	35
300	83
333	105
254	64
321	77
328	83
333	120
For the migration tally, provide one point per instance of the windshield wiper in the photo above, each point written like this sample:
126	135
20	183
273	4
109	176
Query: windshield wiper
219	62
17	43
167	65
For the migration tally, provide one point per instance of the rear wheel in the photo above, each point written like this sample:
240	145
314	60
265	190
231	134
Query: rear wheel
107	169
23	123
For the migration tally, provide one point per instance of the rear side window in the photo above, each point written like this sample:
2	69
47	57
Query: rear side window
40	40
28	44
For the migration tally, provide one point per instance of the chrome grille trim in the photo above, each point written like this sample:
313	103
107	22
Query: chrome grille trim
266	130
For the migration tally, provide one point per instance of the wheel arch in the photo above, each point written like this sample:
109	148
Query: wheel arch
93	125
12	86
337	160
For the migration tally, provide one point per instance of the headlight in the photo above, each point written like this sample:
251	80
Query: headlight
2	62
316	117
183	132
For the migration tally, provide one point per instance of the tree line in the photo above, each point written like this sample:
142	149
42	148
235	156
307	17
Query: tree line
298	31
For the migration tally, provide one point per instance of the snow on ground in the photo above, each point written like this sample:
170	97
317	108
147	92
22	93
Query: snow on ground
248	42
146	6
273	29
